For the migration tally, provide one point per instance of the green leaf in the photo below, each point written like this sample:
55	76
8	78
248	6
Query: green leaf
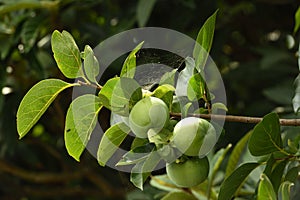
184	77
179	196
284	190
204	42
120	95
165	92
137	142
281	94
217	160
110	142
296	98
163	182
129	66
292	174
269	166
168	78
299	57
277	173
266	137
136	155
234	181
138	179
197	88
185	109
143	12
265	189
106	92
36	101
30	32
66	54
141	171
297	20
81	120
161	137
91	64
236	154
215	164
126	93
219	105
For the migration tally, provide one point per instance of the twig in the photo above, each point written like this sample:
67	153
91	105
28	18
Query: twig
241	119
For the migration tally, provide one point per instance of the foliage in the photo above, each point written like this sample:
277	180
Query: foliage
265	139
244	50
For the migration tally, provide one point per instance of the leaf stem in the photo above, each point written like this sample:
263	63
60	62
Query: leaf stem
90	84
241	119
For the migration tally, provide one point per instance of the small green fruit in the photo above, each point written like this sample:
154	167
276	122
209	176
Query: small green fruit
148	113
188	173
194	136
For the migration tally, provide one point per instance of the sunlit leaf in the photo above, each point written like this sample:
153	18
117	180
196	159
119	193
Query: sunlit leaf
234	181
110	142
266	137
36	101
126	93
141	171
136	155
106	92
184	77
165	92
143	11
204	42
197	88
265	189
91	64
120	95
129	66
137	142
81	120
66	54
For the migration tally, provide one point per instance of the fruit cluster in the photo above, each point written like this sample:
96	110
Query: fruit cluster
192	138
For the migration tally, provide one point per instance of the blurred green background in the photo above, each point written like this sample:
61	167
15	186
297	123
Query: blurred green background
253	48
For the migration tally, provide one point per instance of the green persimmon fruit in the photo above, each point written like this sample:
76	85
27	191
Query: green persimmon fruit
194	136
148	113
188	173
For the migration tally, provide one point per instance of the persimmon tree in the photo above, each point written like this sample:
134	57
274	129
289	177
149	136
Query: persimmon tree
179	136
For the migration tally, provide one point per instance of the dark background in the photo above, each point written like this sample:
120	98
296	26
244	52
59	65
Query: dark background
250	48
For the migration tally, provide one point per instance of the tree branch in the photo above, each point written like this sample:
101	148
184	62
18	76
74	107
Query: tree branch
39	177
49	177
241	119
